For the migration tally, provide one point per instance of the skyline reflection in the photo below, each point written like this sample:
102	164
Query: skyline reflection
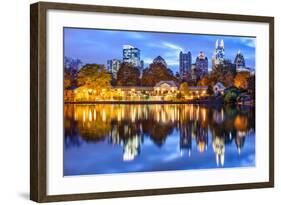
156	137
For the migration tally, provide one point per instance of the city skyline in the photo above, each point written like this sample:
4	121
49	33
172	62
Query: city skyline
99	46
145	101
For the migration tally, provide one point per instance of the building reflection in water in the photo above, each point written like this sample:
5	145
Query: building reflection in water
127	126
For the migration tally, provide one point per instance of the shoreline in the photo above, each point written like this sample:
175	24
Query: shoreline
139	102
195	102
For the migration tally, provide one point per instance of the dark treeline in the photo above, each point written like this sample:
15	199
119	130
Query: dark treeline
128	75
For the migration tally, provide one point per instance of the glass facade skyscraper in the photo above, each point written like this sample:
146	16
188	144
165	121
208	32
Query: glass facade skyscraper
185	64
239	60
202	64
131	55
113	67
219	52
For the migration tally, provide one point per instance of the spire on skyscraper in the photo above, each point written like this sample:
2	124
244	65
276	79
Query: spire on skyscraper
222	44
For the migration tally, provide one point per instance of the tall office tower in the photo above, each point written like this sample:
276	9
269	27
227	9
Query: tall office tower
132	55
113	67
219	53
184	64
202	64
239	60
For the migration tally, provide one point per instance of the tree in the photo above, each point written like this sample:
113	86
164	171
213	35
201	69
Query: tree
184	89
224	74
251	85
210	90
128	75
228	79
241	80
94	76
204	81
230	97
71	68
155	73
67	79
72	64
217	75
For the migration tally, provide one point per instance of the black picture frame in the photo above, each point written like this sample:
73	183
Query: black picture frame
38	101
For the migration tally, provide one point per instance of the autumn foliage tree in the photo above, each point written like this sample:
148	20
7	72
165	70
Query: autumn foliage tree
222	74
93	76
128	75
184	88
155	73
204	81
67	79
241	80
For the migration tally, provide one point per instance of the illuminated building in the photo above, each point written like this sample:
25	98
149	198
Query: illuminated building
131	55
219	52
195	73
113	67
240	63
218	88
202	64
185	64
169	86
239	60
163	90
218	57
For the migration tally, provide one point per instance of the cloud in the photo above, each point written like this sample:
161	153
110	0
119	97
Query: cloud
172	61
147	60
172	46
172	54
136	35
166	45
169	51
248	42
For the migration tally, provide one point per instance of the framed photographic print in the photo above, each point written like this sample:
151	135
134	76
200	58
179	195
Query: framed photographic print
134	102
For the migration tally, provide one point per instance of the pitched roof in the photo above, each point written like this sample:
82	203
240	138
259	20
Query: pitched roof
169	82
220	85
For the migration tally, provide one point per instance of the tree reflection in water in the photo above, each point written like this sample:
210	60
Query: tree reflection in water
128	126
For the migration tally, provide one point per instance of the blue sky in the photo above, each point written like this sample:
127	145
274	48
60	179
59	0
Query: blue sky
98	46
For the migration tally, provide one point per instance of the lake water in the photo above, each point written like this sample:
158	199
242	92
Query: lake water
107	138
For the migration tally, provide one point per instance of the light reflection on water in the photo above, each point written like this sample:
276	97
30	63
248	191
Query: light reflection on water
124	138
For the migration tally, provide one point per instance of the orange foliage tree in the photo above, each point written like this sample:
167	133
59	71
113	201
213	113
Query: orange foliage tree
205	81
241	80
155	73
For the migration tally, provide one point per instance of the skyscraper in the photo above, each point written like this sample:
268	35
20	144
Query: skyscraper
131	55
185	64
239	60
113	67
218	57
202	64
195	74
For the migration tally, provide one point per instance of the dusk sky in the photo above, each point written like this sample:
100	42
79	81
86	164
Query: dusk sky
98	46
